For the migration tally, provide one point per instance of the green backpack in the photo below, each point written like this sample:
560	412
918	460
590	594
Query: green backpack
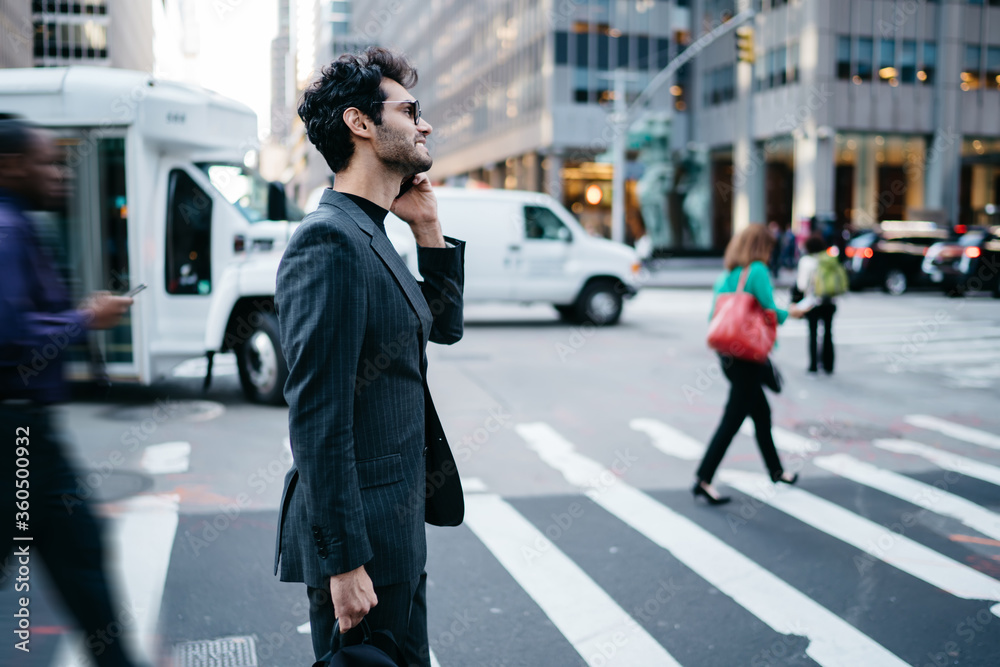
831	278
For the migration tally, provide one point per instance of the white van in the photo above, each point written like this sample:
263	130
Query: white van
525	247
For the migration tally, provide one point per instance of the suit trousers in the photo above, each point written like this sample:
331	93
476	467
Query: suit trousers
746	397
66	535
401	609
821	313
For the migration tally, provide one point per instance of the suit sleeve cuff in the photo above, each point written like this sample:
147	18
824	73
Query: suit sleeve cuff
441	259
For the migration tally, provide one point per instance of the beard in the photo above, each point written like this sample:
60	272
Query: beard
398	151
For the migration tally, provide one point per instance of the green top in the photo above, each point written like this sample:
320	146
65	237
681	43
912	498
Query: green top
758	284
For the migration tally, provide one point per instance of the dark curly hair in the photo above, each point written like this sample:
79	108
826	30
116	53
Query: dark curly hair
350	81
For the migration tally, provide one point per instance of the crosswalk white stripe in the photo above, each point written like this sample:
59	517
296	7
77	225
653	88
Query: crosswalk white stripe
903	338
166	458
786	441
953	430
601	631
877	541
942	459
142	539
881	324
931	358
832	641
669	440
922	495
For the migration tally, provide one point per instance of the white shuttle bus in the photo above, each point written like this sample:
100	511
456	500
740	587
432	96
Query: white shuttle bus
162	196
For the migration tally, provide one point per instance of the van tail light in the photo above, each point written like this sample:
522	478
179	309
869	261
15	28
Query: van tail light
239	243
973	252
868	253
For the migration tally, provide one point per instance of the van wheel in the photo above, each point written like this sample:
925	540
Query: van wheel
895	282
262	367
599	303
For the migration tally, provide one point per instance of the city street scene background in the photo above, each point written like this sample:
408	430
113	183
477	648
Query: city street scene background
597	156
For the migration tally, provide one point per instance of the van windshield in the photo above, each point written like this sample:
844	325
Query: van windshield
246	190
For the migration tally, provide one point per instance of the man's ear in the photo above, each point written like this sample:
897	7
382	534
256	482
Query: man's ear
357	122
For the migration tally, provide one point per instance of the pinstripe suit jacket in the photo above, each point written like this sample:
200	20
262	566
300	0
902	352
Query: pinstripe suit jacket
367	444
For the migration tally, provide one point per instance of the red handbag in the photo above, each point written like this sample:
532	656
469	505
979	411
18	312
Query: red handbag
740	326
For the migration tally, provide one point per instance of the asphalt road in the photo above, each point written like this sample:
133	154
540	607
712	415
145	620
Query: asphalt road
583	544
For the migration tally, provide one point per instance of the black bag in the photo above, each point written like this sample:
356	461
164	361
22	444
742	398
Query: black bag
795	294
770	377
377	649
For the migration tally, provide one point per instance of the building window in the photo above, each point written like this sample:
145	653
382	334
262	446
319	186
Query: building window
993	67
908	62
929	63
793	63
970	70
866	47
887	60
844	58
562	48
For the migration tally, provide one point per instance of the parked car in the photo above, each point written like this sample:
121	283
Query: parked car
890	257
971	263
525	247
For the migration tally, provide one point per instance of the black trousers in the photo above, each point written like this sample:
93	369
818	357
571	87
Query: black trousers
401	609
746	397
821	313
66	535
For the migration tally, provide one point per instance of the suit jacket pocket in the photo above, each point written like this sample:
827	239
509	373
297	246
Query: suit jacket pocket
379	471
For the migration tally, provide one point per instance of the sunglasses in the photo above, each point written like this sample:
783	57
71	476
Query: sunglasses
413	110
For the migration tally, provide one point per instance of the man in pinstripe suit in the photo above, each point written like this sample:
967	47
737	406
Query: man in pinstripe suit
371	460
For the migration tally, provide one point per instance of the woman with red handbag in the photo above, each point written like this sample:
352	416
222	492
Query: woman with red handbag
742	330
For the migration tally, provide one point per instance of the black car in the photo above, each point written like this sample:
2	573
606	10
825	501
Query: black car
977	268
891	257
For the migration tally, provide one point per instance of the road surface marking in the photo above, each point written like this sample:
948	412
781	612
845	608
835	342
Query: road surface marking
832	641
669	440
600	631
877	541
943	459
786	441
166	458
473	485
922	495
140	541
953	430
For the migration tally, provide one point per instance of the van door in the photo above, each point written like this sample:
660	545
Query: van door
185	293
546	247
491	230
89	239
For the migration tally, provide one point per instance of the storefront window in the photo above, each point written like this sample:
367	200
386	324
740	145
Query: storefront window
878	177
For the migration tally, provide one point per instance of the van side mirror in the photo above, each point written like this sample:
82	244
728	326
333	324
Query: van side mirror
277	202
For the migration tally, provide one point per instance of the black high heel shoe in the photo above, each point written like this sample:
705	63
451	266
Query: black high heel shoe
700	490
781	478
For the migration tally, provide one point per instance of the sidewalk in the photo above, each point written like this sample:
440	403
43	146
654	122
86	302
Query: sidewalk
696	273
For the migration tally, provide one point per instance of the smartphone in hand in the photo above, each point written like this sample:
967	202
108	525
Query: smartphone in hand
405	185
135	290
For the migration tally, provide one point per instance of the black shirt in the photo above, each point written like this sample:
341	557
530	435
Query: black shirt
371	209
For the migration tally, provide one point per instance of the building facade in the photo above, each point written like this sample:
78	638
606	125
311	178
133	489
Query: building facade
851	112
17	30
857	112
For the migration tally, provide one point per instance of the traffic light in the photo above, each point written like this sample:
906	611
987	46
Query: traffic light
744	44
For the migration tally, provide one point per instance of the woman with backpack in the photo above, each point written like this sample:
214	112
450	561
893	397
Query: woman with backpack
747	252
820	279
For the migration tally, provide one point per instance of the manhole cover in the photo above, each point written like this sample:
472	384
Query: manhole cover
842	430
116	485
224	652
166	410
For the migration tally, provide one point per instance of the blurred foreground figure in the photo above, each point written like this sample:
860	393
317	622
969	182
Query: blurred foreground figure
39	505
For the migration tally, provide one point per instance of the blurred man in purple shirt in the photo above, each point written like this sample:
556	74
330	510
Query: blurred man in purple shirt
37	324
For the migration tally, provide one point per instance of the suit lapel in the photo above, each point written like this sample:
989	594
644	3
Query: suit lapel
387	253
